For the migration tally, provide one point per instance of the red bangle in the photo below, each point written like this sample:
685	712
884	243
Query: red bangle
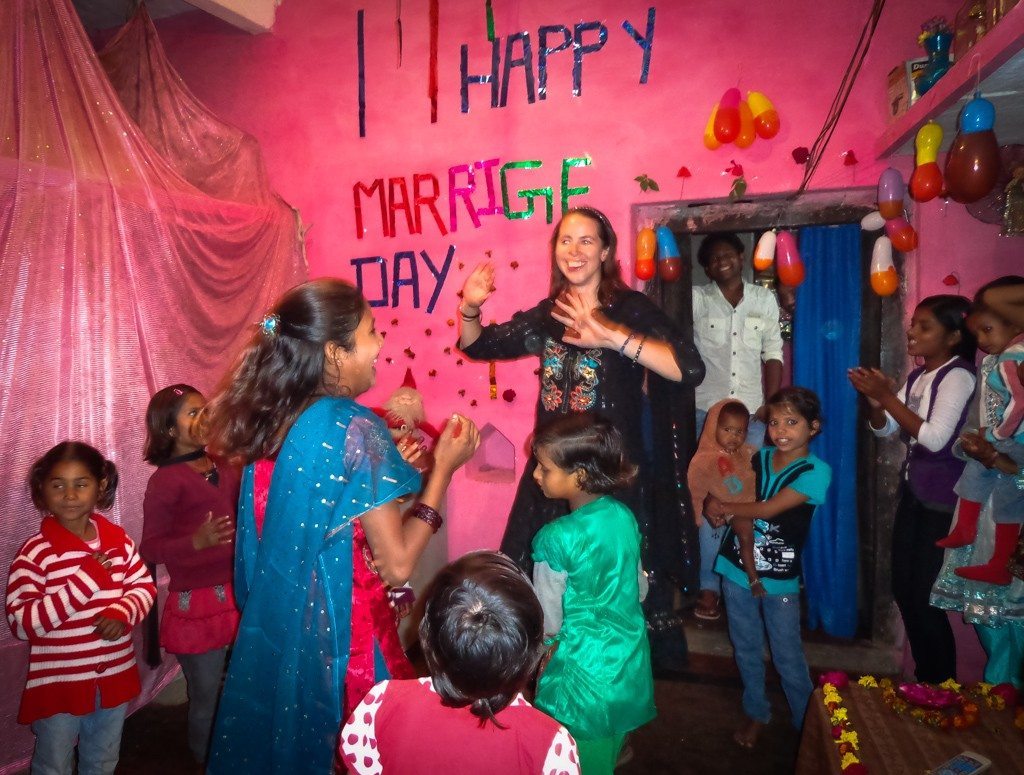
429	515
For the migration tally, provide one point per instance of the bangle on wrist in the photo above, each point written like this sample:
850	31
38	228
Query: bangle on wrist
756	581
466	315
636	355
622	348
429	515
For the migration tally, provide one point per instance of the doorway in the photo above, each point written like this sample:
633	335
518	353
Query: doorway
877	463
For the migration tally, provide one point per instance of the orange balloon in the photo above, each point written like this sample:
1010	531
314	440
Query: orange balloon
972	166
885	283
646	241
747	134
767	124
710	141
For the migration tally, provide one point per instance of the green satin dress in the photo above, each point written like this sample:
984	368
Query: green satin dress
599	682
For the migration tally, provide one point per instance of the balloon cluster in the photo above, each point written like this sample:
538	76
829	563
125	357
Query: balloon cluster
739	121
898	232
669	264
972	164
781	248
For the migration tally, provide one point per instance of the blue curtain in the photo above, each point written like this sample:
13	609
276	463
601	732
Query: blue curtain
826	342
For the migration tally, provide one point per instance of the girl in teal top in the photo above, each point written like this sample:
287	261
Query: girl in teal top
588	577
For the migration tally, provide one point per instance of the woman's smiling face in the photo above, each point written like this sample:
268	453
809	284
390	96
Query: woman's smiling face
579	251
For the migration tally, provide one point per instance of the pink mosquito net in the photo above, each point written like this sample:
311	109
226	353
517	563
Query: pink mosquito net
139	242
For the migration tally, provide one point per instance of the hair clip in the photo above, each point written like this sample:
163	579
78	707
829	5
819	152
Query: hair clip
270	324
178	391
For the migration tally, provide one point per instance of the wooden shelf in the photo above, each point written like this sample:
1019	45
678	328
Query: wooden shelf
999	60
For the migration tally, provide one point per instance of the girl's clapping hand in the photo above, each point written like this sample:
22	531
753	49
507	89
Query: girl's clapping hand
873	384
215	531
975	445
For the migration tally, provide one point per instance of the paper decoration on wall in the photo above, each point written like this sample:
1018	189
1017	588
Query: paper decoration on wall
434	14
670	265
972	164
405	273
788	264
489	13
646	41
398	28
646	182
739	188
646	242
492	379
926	181
951	280
683	174
849	158
801	154
764	252
495	458
361	67
884	280
508	395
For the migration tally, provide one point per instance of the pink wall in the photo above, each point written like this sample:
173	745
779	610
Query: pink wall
296	90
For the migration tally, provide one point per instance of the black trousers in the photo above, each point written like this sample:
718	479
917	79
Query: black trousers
916	562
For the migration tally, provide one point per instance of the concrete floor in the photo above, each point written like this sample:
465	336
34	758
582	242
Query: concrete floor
698	710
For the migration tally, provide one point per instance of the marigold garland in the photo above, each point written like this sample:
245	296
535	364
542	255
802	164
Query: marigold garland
963	715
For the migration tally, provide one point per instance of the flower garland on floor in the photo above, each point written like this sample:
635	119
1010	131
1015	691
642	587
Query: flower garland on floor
962	712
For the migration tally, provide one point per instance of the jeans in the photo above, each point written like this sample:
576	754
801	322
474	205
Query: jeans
203	674
710	543
748	618
98	735
916	562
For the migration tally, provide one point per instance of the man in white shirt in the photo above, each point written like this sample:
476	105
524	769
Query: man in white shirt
736	330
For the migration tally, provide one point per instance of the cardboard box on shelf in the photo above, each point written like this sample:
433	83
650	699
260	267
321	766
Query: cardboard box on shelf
901	88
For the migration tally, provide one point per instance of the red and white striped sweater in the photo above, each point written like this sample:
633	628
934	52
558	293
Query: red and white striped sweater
55	592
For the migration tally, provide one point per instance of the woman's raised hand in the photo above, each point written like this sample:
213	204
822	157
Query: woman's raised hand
479	285
458	442
585	326
873	384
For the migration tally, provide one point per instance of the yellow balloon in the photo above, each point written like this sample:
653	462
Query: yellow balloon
927	142
758	103
710	141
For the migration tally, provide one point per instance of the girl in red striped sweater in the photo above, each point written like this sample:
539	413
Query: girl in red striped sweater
75	590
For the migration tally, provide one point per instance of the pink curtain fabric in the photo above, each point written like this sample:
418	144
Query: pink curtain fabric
139	242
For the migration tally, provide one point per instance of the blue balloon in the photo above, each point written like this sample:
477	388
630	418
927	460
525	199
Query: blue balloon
979	115
667	247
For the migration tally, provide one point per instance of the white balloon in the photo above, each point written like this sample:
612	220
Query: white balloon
764	253
873	221
881	255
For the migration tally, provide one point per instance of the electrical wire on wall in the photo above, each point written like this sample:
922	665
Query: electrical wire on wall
842	95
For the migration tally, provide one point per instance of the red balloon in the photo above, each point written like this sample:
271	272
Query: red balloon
902	234
727	117
926	182
669	269
972	166
788	264
767	124
644	268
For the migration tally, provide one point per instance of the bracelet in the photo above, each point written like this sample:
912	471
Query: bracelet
429	515
756	581
728	518
462	313
636	356
622	350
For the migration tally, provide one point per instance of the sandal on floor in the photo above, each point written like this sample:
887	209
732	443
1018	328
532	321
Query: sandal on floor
708	607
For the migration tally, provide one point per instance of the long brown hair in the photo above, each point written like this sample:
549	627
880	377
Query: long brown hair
611	277
281	369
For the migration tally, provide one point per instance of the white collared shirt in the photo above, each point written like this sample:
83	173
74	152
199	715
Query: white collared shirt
733	342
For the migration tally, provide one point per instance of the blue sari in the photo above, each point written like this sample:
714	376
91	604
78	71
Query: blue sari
282	700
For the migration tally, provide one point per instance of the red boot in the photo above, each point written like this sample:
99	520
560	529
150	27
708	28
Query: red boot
966	527
995	570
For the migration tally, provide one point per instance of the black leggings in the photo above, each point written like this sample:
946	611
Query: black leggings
916	562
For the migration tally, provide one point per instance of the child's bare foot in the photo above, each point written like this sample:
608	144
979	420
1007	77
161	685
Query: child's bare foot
747	734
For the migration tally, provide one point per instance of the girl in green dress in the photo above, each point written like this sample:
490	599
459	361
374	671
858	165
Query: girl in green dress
588	577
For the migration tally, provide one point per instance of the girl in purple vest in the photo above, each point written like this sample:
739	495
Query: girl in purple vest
928	411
